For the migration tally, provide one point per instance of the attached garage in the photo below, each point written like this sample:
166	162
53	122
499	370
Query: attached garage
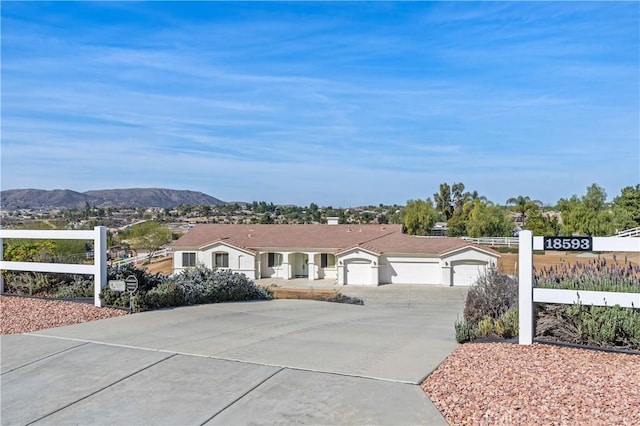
410	270
466	273
358	271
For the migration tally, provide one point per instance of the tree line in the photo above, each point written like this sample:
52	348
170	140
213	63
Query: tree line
470	214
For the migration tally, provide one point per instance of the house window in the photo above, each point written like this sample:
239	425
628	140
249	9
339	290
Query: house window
327	260
220	260
274	259
188	260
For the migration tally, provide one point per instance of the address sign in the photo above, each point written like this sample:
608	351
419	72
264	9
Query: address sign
568	243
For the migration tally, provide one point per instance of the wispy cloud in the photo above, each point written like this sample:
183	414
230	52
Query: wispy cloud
305	102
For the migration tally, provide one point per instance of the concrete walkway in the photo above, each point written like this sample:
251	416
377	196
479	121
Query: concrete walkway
277	362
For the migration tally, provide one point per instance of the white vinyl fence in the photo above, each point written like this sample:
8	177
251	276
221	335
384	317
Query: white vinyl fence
494	241
98	269
141	257
529	295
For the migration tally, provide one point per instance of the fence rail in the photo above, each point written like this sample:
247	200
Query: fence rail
529	296
633	232
98	269
139	258
494	241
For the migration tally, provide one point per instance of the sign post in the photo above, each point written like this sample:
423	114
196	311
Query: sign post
131	284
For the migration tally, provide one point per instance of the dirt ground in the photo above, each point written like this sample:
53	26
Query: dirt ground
508	262
163	265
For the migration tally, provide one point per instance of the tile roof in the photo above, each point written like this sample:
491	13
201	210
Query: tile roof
333	238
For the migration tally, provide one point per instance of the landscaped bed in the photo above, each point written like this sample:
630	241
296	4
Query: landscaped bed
510	384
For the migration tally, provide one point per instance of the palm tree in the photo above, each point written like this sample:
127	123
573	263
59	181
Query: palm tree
522	205
472	196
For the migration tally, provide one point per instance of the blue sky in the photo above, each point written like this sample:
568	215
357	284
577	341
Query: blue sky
340	104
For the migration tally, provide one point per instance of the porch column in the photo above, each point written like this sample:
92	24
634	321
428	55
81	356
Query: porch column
340	270
286	266
259	266
313	273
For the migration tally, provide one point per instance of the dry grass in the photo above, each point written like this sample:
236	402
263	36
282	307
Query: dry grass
508	262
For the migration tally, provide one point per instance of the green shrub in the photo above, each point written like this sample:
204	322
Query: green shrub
79	288
507	325
464	331
165	295
597	325
503	249
492	296
486	327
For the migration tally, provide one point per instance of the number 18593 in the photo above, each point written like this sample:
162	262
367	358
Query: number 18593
568	243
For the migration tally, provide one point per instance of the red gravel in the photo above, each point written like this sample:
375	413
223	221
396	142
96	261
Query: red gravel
508	384
23	314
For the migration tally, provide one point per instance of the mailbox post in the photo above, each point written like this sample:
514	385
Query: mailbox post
131	284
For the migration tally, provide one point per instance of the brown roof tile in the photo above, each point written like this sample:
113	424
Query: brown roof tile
336	238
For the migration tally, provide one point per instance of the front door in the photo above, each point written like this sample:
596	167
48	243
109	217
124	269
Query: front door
301	265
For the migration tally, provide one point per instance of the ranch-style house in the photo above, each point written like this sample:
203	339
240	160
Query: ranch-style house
348	254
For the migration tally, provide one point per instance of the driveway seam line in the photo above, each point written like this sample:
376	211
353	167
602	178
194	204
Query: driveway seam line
219	358
100	390
241	396
45	357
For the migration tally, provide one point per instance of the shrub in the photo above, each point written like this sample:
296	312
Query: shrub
492	296
613	325
486	327
203	285
503	249
507	325
192	286
464	331
597	275
79	288
146	282
342	298
165	295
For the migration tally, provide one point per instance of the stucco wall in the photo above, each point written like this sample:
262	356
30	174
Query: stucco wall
239	261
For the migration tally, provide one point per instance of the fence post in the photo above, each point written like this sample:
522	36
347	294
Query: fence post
525	288
100	262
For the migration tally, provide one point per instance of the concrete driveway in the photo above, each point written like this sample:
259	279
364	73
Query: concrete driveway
276	362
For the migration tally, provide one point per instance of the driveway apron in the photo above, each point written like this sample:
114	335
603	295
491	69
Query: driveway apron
275	362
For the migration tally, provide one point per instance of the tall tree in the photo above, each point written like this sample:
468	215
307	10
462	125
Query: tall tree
587	215
626	208
523	204
419	216
149	236
458	196
540	224
443	201
488	221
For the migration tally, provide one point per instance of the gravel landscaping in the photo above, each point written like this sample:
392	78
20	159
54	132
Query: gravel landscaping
24	314
509	384
478	384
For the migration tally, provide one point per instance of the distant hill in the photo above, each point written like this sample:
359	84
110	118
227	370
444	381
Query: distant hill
13	199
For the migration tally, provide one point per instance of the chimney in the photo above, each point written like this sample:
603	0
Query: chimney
333	220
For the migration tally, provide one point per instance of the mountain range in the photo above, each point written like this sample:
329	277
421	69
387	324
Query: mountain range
13	199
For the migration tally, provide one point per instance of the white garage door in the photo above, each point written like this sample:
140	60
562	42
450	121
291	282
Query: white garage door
414	273
466	274
358	272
